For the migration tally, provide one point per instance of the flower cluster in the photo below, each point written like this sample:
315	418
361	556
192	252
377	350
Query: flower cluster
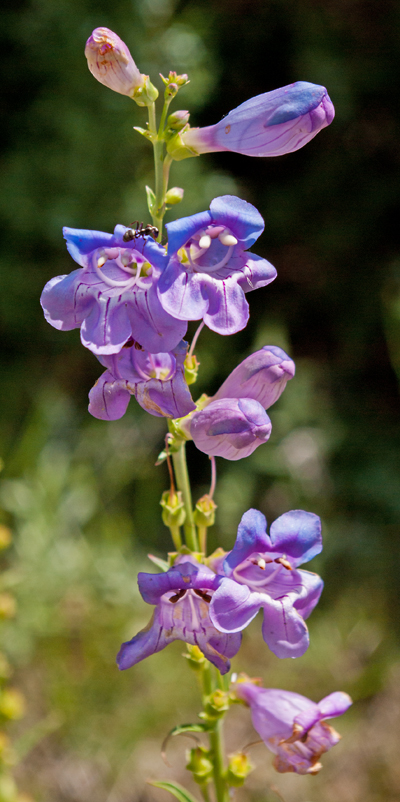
132	298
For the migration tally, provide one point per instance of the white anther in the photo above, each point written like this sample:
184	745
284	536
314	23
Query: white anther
261	563
126	259
227	239
102	261
205	241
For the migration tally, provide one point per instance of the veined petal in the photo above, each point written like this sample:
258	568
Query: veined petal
106	328
148	641
66	302
256	273
284	630
233	606
180	231
228	310
312	588
151	325
241	217
262	376
81	242
182	294
251	537
109	398
298	535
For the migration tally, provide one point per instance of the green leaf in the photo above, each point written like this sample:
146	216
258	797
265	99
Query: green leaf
182	728
175	789
151	199
159	562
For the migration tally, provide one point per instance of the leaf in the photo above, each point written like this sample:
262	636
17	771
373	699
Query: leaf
175	789
151	199
182	728
159	562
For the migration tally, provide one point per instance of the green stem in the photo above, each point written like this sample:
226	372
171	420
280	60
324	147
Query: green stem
183	484
217	746
176	536
204	793
202	530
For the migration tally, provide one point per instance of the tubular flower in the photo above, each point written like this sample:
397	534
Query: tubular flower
113	296
270	124
156	380
209	270
230	428
234	423
110	61
293	727
261	572
182	597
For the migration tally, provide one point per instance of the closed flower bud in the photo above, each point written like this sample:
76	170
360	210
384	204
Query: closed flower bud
174	196
238	768
173	512
191	366
199	764
230	428
270	124
110	61
262	376
178	120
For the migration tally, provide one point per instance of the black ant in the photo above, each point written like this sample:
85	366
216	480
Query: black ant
140	230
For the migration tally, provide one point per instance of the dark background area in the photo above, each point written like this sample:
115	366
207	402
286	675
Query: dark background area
83	495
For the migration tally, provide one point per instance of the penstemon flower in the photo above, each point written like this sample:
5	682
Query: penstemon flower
182	597
113	296
270	124
110	61
156	380
261	572
209	270
293	727
234	423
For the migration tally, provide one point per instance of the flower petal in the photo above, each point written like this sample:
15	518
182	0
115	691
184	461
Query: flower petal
262	376
334	705
298	535
241	217
228	310
180	231
251	537
109	398
148	641
233	606
284	630
59	301
81	242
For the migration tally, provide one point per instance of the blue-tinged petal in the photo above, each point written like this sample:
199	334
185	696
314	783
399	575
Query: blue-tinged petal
218	647
148	641
256	273
107	327
281	105
81	242
261	376
228	311
180	577
284	630
180	231
312	588
152	326
233	606
251	537
109	398
59	301
298	535
241	217
181	294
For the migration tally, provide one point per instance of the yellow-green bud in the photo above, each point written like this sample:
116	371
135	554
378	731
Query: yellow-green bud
12	704
178	119
195	657
199	764
145	95
5	536
238	768
174	196
191	366
173	513
217	705
204	513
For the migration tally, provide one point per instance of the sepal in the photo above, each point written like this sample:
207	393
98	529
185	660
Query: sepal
239	767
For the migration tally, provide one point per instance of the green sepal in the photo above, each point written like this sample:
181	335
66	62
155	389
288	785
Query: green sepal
191	367
144	131
159	562
175	789
238	769
151	200
177	148
146	94
182	728
200	765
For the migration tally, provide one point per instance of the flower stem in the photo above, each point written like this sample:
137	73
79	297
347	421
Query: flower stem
176	536
216	740
183	484
202	532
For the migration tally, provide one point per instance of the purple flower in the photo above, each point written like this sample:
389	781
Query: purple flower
110	61
234	423
113	296
230	428
156	380
182	597
261	572
262	376
208	271
293	727
270	124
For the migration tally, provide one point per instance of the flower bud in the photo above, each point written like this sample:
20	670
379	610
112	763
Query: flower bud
230	427
195	657
217	705
191	366
199	764
204	513
173	513
110	61
178	120
262	376
174	196
239	767
270	124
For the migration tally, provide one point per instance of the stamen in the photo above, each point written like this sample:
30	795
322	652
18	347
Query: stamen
226	238
283	561
205	241
203	595
210	268
102	261
175	598
126	285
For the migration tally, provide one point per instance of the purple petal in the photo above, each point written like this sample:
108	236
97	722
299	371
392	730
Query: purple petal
148	641
284	630
81	242
233	606
251	537
59	302
257	272
334	705
181	293
108	399
273	710
241	217
180	231
151	325
106	328
231	428
228	310
298	535
179	577
262	376
313	586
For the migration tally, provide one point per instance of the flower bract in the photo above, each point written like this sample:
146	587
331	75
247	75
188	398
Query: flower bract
293	727
261	572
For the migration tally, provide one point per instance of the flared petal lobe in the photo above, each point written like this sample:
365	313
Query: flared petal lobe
262	376
230	427
270	124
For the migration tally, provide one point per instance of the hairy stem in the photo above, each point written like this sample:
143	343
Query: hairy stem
183	484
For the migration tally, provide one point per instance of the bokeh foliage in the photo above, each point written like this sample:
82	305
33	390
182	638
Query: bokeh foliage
83	495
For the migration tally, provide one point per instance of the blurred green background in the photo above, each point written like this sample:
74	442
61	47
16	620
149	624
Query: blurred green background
82	496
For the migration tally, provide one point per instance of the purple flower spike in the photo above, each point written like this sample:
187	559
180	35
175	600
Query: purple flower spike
209	271
293	727
182	597
261	572
270	124
113	297
262	376
230	427
156	380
